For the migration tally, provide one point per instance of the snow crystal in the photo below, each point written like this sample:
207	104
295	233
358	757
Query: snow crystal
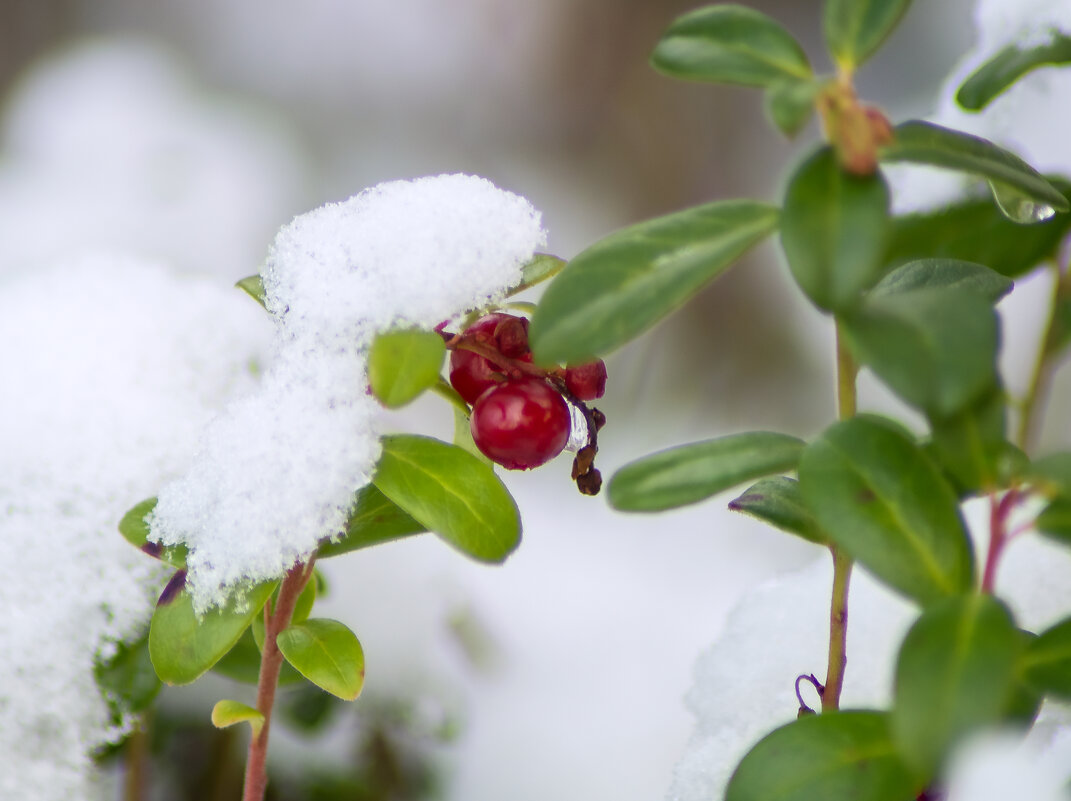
1028	118
110	369
744	684
276	474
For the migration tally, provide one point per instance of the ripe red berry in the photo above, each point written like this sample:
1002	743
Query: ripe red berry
521	424
587	381
471	374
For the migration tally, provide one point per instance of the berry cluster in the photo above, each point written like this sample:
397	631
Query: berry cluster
520	412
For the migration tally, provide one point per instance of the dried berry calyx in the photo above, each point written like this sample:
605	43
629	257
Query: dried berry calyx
520	424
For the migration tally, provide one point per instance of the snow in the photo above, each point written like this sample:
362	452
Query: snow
111	366
276	474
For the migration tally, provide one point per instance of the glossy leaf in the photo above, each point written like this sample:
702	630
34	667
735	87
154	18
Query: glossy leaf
955	673
790	104
976	231
729	43
375	519
1054	521
624	284
451	492
541	268
949	274
777	501
135	529
403	363
1046	665
326	653
183	647
837	756
692	473
854	29
970	444
127	679
253	285
1008	66
227	713
833	230
877	496
242	662
925	143
935	348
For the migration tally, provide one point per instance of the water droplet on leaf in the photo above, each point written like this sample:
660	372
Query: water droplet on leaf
1018	207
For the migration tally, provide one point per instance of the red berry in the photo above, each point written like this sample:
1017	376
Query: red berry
521	424
471	374
587	381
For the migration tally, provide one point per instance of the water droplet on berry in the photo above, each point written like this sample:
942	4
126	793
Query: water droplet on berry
578	430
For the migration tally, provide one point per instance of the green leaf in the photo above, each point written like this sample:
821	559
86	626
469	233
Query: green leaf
403	363
451	492
541	268
935	348
729	43
183	647
836	756
970	444
127	679
1051	474
463	435
955	674
326	653
242	662
1054	521
374	519
777	501
880	499
624	284
1046	665
253	285
790	104
135	529
1008	66
692	473
925	143
833	230
976	231
855	29
227	713
944	274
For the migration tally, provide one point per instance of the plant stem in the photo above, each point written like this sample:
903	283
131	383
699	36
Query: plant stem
842	564
271	662
137	760
999	511
1037	390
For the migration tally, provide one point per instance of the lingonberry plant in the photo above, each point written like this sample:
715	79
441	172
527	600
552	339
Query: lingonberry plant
912	299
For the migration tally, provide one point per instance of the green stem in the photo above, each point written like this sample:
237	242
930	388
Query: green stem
1040	376
443	389
847	401
271	662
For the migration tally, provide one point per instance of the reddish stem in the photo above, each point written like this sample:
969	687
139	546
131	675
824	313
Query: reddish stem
999	511
271	662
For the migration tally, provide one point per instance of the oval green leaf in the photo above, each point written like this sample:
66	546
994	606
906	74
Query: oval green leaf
182	647
242	662
404	363
833	231
541	268
375	519
451	492
227	713
1051	474
836	756
956	672
778	501
935	348
976	231
1046	665
1007	67
1054	521
135	529
790	104
326	653
950	274
970	444
729	43
921	142
692	473
855	29
877	496
624	284
253	285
